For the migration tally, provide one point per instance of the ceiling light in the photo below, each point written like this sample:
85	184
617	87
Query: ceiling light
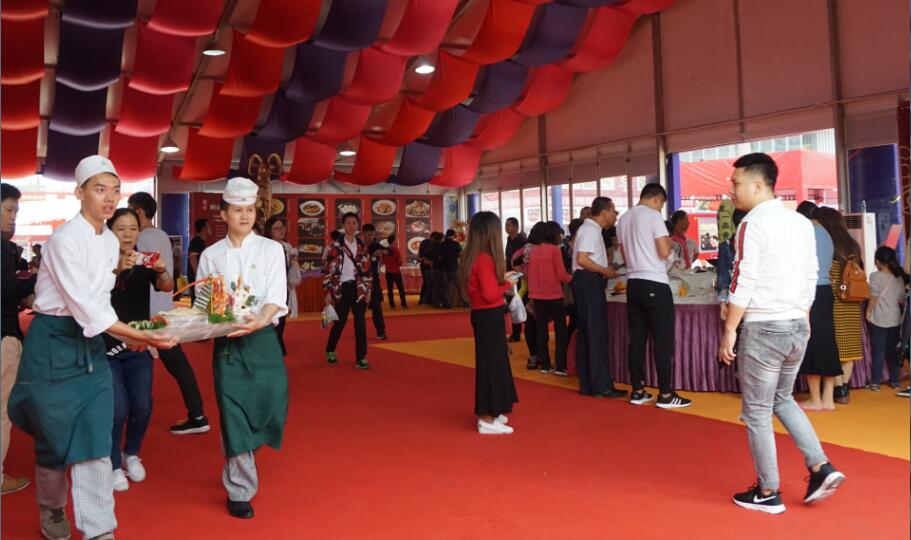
424	69
347	153
213	49
169	146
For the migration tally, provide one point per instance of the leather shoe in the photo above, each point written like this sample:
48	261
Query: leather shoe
240	509
612	393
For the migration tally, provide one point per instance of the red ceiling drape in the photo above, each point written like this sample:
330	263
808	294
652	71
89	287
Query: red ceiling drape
186	17
547	87
645	7
18	152
23	10
410	122
372	165
495	129
343	121
21	50
282	23
452	82
142	114
501	33
136	158
206	158
377	78
230	116
164	62
313	162
253	69
19	105
461	166
602	39
421	28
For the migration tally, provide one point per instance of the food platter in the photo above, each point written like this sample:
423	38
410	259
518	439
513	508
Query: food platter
417	209
384	228
277	207
384	207
312	208
414	244
345	208
310	249
311	227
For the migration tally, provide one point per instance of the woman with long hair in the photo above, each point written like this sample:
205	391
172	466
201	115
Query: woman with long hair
277	229
520	264
131	371
884	313
483	274
820	362
546	276
847	316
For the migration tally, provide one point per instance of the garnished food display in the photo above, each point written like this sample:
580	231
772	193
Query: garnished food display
154	323
312	208
384	207
414	244
417	208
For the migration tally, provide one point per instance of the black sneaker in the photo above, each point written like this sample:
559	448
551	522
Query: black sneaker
754	499
612	393
822	484
904	393
561	373
240	509
190	426
382	337
673	401
640	397
514	338
532	363
362	364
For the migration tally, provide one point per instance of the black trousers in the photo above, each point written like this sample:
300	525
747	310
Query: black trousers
494	389
650	310
348	302
175	361
426	285
376	308
545	311
591	341
280	334
449	288
395	278
531	328
439	290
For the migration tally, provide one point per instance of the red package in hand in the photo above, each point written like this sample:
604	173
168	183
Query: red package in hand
147	258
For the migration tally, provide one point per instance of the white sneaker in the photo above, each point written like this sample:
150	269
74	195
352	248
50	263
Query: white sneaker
120	480
135	471
493	428
502	419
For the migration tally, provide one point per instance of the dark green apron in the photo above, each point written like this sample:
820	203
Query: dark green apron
63	396
251	387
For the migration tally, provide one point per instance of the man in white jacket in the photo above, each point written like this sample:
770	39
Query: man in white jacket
772	289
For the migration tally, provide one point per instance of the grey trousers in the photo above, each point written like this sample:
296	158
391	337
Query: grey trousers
93	494
240	478
768	358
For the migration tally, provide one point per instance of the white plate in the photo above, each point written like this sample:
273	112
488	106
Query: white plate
414	244
417	209
384	207
312	208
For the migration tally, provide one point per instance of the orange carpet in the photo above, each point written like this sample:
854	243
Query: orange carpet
392	453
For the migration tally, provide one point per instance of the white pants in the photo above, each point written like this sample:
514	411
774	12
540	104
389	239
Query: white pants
93	494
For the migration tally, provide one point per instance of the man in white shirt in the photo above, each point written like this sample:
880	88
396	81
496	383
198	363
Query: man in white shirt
251	382
772	289
590	273
63	396
175	361
646	246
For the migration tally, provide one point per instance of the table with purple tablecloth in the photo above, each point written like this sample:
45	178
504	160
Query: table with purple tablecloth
696	366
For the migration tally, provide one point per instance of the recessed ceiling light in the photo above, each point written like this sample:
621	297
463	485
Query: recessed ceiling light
169	146
424	69
347	153
213	49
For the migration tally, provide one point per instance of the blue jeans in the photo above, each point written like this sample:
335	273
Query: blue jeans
768	358
131	373
884	342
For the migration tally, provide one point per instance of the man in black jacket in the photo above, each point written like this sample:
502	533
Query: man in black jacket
376	250
515	241
449	269
15	292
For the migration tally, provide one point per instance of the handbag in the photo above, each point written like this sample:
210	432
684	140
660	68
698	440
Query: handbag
853	286
517	309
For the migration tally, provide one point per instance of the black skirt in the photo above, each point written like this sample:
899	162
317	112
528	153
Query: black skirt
494	390
821	357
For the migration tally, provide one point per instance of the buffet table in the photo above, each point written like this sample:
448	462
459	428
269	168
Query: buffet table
697	335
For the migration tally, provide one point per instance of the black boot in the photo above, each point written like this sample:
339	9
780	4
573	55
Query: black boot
841	394
240	509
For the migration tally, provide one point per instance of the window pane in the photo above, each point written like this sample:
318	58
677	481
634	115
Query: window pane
558	204
490	202
582	196
531	199
617	188
510	202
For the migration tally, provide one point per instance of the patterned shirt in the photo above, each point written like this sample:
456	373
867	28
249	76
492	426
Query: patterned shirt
332	270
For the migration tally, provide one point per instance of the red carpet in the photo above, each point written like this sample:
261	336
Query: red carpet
392	453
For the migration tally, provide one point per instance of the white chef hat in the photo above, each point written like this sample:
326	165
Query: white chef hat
240	191
91	166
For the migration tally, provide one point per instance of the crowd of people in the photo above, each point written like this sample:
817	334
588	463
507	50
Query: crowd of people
79	383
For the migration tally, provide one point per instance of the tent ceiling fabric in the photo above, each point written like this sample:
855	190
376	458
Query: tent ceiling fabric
316	73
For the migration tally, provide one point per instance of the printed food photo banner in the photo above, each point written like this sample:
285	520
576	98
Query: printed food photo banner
410	218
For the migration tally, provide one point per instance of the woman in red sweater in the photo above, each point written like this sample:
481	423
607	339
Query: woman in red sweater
483	275
546	275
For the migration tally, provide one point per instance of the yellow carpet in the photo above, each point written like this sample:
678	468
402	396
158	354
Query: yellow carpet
875	422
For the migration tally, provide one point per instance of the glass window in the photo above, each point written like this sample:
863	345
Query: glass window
617	188
509	200
638	182
490	202
558	204
794	142
531	200
583	193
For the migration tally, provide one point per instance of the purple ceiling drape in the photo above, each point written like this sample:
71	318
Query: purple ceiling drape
317	73
451	127
77	112
499	85
65	151
352	24
288	119
105	14
89	57
263	146
418	164
551	34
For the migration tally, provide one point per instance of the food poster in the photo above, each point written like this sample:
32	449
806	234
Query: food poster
707	230
383	213
311	233
279	207
208	206
418	226
344	205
